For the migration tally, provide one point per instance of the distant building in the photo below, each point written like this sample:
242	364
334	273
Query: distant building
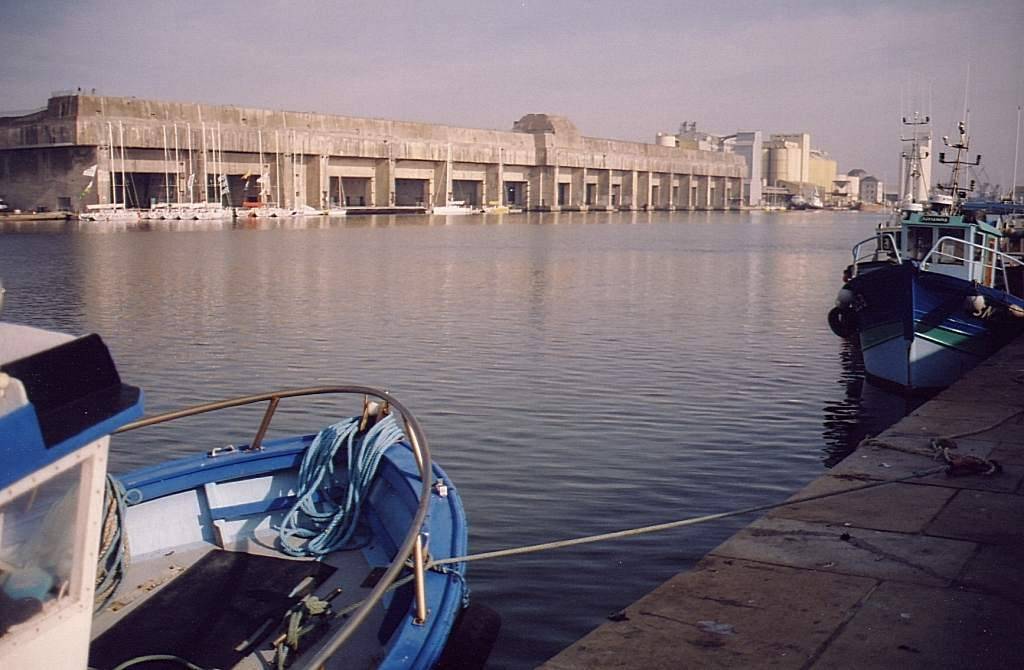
750	146
872	190
845	191
84	150
783	165
822	171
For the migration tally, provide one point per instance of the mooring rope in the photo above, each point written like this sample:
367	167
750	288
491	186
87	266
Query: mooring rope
438	564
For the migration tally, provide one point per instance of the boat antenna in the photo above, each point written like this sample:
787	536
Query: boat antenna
1016	154
913	172
959	163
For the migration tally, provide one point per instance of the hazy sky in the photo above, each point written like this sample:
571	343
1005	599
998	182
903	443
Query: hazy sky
624	69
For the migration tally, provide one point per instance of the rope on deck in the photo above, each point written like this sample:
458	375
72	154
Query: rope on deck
112	561
328	525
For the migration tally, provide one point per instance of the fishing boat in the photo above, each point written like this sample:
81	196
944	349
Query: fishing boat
930	295
307	551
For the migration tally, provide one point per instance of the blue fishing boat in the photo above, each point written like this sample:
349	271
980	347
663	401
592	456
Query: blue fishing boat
318	550
931	294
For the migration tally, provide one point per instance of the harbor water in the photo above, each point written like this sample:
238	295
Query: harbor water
575	373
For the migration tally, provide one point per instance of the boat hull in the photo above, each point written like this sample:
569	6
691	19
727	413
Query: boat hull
235	500
919	330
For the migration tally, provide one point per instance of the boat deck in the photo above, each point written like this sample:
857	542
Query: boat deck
148	576
921	574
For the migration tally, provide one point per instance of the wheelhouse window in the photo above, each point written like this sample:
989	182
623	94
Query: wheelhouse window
951	252
39	549
887	241
919	241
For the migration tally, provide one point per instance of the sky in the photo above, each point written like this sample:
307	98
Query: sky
842	71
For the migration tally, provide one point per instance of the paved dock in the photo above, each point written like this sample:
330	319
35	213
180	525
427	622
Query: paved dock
927	573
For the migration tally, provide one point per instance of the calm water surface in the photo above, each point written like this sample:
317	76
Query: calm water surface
575	373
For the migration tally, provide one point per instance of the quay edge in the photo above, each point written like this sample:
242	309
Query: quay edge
918	574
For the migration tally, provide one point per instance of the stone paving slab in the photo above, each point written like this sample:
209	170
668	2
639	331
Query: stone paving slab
997	570
872	461
1009	453
852	551
685	624
871	508
901	626
982	516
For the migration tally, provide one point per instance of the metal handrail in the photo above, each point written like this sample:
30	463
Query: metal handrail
1001	267
412	544
876	238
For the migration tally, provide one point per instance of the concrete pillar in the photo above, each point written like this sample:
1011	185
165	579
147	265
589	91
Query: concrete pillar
579	188
604	189
324	182
439	185
670	196
703	192
643	195
538	183
103	179
552	199
630	186
494	183
688	186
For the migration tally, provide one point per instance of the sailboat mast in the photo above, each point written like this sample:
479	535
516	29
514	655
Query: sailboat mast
167	173
124	185
206	175
177	168
191	165
262	179
448	176
277	143
110	161
220	166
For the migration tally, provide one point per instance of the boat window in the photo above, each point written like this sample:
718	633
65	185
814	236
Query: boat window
950	252
37	549
887	242
919	241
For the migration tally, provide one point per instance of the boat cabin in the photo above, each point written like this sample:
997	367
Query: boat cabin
962	245
54	451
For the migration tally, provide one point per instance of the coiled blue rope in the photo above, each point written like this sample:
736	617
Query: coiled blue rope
329	525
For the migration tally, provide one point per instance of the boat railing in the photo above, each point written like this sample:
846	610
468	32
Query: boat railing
998	261
873	253
412	547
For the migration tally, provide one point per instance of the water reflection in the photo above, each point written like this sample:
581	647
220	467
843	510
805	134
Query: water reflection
575	372
865	410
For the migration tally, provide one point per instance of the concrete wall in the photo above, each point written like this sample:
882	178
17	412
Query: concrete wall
302	152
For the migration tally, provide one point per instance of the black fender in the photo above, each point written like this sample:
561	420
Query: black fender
471	640
842	321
